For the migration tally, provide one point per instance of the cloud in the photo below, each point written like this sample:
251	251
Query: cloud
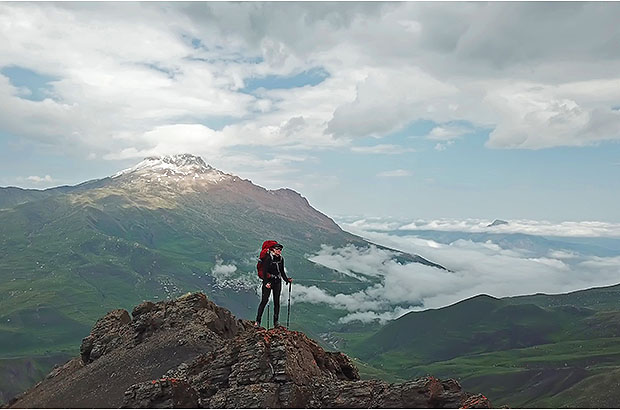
383	317
448	132
542	228
443	146
475	268
368	115
350	259
38	179
227	276
372	224
536	116
381	149
152	78
395	173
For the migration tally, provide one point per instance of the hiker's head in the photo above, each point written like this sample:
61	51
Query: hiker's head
277	249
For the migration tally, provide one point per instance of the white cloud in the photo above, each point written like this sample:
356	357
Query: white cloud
474	268
369	316
531	227
395	173
155	78
228	276
538	116
371	115
38	179
373	224
562	254
448	132
443	146
350	259
381	149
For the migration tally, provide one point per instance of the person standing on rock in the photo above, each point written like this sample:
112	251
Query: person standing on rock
273	273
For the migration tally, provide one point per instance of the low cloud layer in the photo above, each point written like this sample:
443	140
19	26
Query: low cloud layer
473	268
227	276
565	229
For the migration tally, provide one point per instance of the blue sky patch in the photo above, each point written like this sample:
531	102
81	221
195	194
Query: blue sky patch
310	77
154	66
235	58
37	85
218	123
196	43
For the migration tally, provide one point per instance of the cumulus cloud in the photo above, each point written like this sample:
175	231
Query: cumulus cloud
538	116
448	132
152	78
368	115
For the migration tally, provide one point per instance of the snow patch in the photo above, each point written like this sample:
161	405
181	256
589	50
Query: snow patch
177	167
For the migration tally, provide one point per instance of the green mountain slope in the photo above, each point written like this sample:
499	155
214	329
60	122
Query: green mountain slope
153	232
530	351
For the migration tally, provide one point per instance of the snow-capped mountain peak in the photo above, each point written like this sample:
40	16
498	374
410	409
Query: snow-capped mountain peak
181	167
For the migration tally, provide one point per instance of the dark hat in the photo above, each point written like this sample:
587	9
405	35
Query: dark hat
277	246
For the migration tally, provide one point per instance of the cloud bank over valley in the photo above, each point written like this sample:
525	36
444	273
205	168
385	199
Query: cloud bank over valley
473	267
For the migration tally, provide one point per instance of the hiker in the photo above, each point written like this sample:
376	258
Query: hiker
272	269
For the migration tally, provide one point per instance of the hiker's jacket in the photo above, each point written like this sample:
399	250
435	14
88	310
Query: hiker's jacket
274	267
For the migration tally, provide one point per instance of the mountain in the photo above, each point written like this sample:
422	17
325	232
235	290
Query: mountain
191	353
528	351
166	226
497	222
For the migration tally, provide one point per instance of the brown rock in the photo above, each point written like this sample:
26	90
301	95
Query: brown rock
210	359
161	394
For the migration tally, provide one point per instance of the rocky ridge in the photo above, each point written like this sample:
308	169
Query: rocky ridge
191	353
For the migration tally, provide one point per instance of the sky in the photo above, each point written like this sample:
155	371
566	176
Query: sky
417	110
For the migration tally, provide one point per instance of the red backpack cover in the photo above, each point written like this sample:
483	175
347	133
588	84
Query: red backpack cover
259	265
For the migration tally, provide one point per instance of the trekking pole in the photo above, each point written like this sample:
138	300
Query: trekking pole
288	308
267	316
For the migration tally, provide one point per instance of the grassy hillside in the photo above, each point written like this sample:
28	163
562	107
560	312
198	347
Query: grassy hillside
66	266
533	351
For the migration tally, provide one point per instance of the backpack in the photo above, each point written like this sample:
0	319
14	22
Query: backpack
259	265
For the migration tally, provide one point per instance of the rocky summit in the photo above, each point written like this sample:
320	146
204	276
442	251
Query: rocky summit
191	353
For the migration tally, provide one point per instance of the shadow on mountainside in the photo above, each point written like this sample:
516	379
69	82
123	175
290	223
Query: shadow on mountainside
191	353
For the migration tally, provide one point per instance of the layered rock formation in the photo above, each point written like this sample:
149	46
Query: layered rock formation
190	353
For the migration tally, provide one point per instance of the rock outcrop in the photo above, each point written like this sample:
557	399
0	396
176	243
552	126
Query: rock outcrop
190	353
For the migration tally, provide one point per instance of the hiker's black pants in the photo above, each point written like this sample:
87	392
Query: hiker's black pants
276	286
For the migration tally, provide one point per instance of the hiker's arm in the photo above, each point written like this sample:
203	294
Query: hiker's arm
286	279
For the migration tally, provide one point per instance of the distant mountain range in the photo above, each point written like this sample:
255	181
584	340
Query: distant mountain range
497	222
151	232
